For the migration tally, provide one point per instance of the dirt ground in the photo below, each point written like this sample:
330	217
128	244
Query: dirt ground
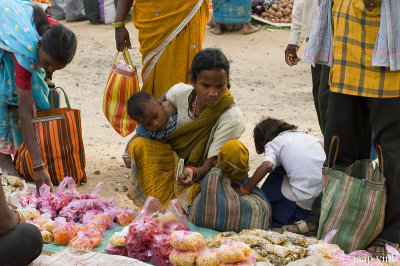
262	83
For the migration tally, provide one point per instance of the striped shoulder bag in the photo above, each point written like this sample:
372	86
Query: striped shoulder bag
353	202
60	140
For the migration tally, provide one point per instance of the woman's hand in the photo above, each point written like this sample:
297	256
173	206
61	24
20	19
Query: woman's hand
42	177
122	38
127	160
186	178
370	4
236	187
291	55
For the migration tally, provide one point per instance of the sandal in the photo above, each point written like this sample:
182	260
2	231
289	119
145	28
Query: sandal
380	244
306	228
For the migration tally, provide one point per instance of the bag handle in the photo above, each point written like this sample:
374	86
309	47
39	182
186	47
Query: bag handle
65	97
380	156
126	55
334	139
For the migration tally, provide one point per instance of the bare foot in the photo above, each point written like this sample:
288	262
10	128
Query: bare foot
7	166
211	22
217	30
248	29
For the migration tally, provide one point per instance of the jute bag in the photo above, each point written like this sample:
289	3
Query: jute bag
122	83
353	202
60	134
219	207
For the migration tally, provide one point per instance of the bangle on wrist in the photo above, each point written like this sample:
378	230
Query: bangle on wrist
244	189
193	170
39	167
119	24
125	155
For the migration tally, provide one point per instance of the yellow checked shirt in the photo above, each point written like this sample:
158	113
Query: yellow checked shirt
354	35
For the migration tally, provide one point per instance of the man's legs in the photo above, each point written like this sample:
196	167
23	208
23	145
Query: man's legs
385	121
347	117
323	97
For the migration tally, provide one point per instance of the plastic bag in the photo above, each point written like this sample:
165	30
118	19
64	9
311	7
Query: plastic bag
95	192
115	250
183	257
161	245
160	261
47	236
45	201
233	252
151	208
61	199
250	262
207	257
144	229
30	213
186	240
141	255
63	232
88	237
24	197
102	221
118	238
124	216
174	219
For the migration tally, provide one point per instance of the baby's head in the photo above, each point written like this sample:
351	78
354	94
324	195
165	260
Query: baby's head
147	111
267	130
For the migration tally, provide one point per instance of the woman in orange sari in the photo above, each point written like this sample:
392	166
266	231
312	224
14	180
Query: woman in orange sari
170	34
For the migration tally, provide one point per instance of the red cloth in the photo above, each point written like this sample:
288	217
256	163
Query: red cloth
52	21
23	78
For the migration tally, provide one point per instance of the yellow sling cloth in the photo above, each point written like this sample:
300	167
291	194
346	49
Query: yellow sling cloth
156	21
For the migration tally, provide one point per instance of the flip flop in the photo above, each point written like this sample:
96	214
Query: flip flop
303	228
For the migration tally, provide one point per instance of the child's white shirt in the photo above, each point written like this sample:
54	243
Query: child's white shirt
303	157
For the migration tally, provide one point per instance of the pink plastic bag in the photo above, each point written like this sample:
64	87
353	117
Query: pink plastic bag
61	199
114	250
174	219
144	256
141	234
45	201
95	192
161	245
152	206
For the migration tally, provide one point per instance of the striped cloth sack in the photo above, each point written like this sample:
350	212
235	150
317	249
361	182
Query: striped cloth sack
59	135
122	83
219	207
353	202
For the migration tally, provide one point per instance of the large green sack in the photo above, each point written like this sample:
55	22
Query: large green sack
353	202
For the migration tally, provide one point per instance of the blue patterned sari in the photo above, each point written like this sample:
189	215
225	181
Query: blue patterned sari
230	12
18	35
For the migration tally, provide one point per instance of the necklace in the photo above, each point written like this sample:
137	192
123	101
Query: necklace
194	106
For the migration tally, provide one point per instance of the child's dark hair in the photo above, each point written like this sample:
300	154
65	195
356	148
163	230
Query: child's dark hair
137	102
267	130
58	41
209	59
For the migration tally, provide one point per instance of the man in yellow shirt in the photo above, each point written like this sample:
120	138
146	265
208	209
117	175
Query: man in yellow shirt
365	99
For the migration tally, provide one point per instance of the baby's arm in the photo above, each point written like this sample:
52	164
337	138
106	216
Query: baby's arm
259	174
169	108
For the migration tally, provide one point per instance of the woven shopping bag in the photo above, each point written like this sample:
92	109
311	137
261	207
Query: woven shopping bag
353	202
60	136
219	207
122	83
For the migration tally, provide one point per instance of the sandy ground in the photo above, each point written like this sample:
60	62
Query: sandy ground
262	83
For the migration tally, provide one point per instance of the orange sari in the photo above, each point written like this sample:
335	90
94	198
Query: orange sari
171	32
